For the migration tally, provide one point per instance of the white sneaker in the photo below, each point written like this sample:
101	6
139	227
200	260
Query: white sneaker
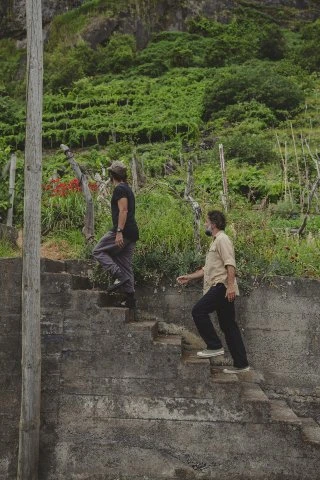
210	353
235	370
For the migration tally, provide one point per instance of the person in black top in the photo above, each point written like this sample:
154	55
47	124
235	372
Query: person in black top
115	249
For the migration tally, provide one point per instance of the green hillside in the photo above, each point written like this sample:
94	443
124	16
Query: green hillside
251	85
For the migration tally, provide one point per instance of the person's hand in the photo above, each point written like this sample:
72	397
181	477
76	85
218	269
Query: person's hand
183	279
231	294
119	239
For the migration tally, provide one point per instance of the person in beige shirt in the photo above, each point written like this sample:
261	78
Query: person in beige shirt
219	292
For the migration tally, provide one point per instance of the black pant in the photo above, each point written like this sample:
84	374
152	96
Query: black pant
215	300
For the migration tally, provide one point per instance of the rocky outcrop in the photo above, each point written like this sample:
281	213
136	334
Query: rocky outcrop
13	15
143	17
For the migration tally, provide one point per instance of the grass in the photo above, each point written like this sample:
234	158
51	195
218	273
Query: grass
7	250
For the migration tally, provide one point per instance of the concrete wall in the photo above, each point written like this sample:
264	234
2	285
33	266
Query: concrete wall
280	322
114	399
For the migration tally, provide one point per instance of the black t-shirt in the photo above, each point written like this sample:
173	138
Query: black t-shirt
130	231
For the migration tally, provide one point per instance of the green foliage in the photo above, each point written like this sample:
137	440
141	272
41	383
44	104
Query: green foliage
8	110
62	213
265	250
10	61
63	67
308	53
138	109
255	114
252	149
285	209
250	182
7	250
226	83
272	43
117	55
240	40
253	81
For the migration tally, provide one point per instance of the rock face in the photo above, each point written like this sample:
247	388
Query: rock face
143	17
13	15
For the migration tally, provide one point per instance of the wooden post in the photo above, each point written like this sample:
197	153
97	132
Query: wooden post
12	180
285	169
195	205
297	167
314	188
88	229
224	196
134	172
28	457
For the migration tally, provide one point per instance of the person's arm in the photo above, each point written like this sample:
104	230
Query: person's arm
184	279
231	274
123	212
226	252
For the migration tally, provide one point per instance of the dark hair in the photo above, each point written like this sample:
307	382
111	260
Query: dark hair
218	218
117	176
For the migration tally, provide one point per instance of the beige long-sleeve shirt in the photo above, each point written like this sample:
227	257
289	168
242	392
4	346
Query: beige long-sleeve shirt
220	254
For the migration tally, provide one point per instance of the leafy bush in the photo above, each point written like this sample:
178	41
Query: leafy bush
11	79
9	110
251	111
63	67
285	209
117	55
63	206
308	54
256	81
181	57
272	43
252	149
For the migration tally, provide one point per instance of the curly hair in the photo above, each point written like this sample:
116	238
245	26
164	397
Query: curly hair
218	218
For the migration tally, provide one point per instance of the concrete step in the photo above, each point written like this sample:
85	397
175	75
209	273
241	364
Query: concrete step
282	413
191	357
175	340
79	282
311	431
178	408
142	328
251	376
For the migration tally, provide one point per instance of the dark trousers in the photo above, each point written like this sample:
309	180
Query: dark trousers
116	260
215	300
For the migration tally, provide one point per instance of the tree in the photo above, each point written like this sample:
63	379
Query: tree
31	340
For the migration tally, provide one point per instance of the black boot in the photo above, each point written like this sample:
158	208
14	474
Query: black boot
120	280
128	302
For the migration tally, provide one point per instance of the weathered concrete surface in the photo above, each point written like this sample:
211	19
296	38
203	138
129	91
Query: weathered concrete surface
119	401
280	323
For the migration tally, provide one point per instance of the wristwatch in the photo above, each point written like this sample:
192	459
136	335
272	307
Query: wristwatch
119	230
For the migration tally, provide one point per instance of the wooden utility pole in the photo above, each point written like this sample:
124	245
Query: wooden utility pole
224	195
31	340
88	229
12	179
